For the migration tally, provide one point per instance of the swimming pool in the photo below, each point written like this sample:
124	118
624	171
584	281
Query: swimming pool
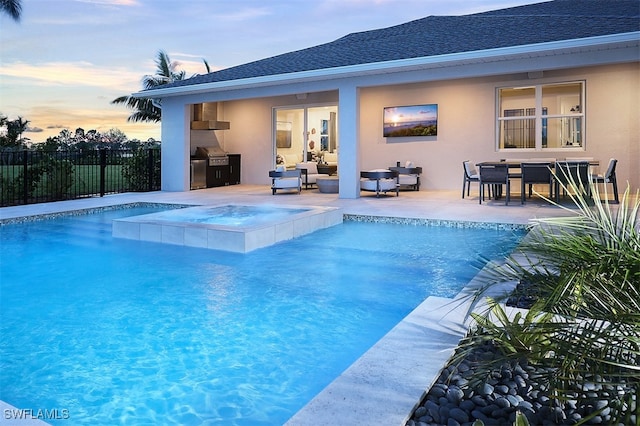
119	331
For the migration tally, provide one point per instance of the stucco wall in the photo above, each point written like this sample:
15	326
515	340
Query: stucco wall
466	125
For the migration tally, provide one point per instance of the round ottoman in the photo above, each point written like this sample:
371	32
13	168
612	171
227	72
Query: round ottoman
327	185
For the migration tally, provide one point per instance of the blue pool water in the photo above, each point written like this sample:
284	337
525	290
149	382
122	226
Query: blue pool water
231	215
128	332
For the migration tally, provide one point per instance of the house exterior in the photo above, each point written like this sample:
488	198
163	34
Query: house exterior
556	79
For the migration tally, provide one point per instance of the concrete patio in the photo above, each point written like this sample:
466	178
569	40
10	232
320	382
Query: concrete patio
443	205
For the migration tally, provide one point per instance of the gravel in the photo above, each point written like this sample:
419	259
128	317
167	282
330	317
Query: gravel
513	387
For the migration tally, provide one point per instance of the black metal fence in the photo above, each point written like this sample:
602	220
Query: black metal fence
28	177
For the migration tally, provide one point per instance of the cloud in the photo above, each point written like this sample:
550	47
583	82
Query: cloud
54	119
112	2
33	130
74	74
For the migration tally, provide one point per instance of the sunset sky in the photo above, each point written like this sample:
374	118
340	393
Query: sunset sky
66	60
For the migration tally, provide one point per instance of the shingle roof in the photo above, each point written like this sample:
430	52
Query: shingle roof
439	35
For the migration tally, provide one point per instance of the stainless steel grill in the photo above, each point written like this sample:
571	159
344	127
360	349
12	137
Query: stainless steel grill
214	154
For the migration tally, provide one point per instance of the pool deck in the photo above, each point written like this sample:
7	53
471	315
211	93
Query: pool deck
388	381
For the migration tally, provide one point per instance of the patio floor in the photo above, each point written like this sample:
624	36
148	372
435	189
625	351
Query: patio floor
388	381
447	205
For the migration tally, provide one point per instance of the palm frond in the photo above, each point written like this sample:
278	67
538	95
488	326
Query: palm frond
584	329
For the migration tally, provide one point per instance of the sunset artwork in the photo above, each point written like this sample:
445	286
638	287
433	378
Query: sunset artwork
414	120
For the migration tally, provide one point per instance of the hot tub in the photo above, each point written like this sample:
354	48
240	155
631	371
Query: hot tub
236	228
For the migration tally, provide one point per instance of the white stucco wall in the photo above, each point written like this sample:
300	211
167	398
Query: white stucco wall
466	126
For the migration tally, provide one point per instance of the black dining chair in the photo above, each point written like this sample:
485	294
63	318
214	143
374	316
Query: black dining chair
573	175
494	175
609	177
535	173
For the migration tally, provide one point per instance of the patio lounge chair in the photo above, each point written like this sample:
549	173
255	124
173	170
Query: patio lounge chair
285	179
408	176
379	180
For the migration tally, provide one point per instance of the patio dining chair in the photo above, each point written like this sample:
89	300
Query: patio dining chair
470	174
534	173
609	177
572	176
495	175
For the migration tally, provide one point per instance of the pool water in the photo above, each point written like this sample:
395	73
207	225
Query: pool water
232	215
130	332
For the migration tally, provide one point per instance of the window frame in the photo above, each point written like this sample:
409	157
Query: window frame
540	119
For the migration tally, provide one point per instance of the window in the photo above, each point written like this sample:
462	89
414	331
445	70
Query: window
541	117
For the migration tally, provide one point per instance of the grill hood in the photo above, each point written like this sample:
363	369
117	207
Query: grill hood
205	117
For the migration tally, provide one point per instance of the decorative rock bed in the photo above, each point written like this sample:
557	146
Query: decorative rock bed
514	387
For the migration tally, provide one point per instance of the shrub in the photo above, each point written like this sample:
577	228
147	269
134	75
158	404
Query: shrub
583	332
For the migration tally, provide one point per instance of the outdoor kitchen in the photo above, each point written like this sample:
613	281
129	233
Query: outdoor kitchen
211	165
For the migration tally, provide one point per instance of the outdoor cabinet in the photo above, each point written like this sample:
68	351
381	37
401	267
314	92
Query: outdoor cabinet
217	176
234	169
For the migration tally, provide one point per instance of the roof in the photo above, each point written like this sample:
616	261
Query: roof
550	21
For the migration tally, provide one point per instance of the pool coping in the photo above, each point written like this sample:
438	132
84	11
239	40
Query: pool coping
388	381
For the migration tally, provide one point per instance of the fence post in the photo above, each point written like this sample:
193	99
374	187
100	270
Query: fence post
103	168
25	170
150	168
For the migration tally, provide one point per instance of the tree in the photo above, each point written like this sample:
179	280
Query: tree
13	8
147	109
15	129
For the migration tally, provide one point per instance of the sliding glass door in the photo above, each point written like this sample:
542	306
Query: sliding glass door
305	134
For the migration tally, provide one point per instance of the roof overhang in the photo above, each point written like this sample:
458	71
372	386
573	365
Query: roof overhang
628	41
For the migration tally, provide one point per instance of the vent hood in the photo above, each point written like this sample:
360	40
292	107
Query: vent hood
205	117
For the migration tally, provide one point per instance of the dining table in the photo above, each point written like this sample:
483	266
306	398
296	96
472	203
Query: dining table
516	165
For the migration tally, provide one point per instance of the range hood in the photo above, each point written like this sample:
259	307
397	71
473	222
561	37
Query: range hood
205	117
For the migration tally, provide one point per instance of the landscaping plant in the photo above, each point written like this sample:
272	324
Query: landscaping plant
582	330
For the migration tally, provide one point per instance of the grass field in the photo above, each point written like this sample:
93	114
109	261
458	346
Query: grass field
85	182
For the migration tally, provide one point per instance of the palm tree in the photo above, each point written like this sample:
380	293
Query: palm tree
147	109
15	129
12	8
